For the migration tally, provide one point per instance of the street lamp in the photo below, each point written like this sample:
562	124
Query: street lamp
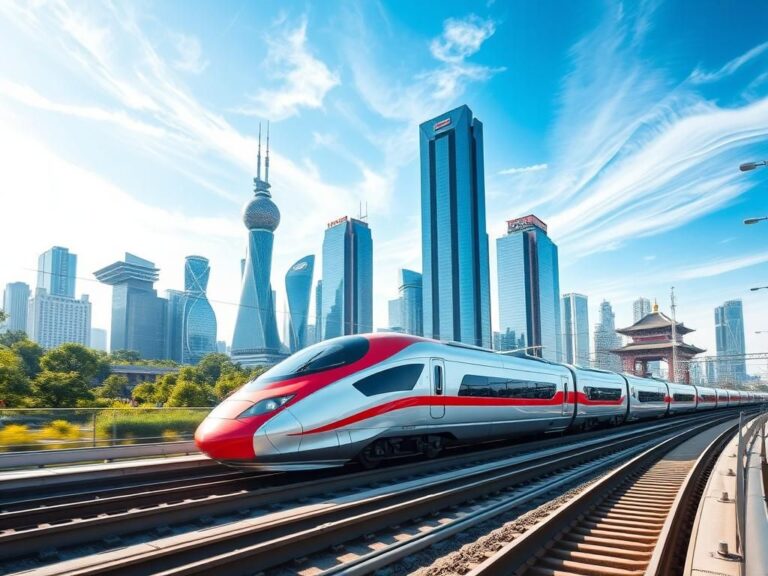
747	166
755	220
756	288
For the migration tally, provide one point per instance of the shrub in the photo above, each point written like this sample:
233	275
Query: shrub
147	426
16	437
59	430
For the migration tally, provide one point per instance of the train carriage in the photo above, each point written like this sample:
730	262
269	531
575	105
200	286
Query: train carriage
722	397
648	398
601	397
706	398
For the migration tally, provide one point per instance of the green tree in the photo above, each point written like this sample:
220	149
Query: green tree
212	365
164	386
124	356
60	389
14	384
144	393
114	386
30	354
228	382
11	337
3	316
187	393
71	357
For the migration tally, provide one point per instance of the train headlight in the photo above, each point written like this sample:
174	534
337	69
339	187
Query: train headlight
265	406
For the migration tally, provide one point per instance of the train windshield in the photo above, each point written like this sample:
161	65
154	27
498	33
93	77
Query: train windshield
323	356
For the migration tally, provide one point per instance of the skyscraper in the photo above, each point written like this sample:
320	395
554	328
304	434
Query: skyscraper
15	302
395	314
198	336
640	308
412	311
456	281
99	339
56	271
318	312
138	313
606	339
529	289
298	287
347	298
575	326
256	340
174	325
56	320
729	336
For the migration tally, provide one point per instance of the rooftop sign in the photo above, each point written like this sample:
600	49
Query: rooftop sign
441	124
336	222
525	222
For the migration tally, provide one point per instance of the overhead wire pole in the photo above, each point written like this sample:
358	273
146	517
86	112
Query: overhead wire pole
674	337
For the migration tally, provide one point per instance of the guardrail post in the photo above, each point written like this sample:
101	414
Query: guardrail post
762	440
740	492
93	425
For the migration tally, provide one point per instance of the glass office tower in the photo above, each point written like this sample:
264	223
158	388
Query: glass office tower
456	284
138	313
56	271
412	312
606	339
15	299
529	289
298	287
575	326
174	325
729	337
199	327
347	289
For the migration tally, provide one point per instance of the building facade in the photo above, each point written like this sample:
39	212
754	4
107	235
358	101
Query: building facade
575	325
198	334
640	308
99	339
139	315
318	333
529	290
456	278
729	340
56	320
56	272
347	288
298	287
606	340
395	308
256	340
411	302
15	304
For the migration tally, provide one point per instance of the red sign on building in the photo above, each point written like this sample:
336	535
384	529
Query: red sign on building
333	223
525	222
441	124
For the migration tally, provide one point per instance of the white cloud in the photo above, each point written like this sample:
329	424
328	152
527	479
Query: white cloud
461	38
190	54
303	80
722	266
523	169
701	76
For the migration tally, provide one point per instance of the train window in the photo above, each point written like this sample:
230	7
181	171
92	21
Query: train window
488	386
683	397
648	396
397	379
595	393
323	356
708	397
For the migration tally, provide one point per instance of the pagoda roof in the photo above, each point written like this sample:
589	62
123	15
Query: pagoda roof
653	321
652	346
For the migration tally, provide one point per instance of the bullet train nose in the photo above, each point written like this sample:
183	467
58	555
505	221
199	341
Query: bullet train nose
225	439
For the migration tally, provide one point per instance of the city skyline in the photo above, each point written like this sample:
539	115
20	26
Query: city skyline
618	227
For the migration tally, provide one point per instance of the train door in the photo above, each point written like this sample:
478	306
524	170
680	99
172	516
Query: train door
567	410
437	376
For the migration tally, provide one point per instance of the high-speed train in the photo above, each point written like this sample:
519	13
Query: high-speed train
374	396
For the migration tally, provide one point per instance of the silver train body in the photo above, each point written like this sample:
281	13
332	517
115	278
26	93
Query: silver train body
427	394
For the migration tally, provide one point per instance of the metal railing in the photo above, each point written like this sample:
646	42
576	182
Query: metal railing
750	500
25	429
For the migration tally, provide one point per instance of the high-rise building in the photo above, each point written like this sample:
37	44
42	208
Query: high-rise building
174	324
15	302
640	308
347	298
198	335
575	326
256	340
318	312
298	287
99	339
56	271
395	313
221	347
456	281
606	339
138	313
56	320
529	289
411	301
729	336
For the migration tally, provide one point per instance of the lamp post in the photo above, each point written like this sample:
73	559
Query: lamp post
749	221
756	288
747	166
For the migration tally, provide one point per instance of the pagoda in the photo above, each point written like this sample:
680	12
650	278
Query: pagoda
652	341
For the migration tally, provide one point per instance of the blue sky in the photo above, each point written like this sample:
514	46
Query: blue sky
132	126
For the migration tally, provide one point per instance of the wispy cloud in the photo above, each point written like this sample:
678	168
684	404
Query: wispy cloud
303	80
523	169
461	38
190	54
700	76
722	266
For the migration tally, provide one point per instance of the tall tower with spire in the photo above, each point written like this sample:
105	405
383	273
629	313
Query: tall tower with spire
256	341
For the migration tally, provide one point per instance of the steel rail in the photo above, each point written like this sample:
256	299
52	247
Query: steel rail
518	556
256	544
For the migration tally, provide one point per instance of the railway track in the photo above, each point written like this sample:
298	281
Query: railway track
273	534
633	522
